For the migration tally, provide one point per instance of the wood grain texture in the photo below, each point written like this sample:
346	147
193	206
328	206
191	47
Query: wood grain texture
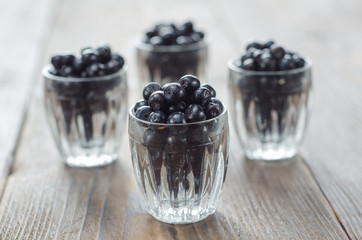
44	199
24	27
332	148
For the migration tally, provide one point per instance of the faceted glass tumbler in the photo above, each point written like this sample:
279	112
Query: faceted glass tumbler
270	110
180	168
86	116
165	64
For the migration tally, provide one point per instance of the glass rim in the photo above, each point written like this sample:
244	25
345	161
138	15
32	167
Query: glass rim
231	66
140	45
48	75
130	112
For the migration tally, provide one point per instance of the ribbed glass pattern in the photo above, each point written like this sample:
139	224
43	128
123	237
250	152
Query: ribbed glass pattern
180	169
270	110
87	117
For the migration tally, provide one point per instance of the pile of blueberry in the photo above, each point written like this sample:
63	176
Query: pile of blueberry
171	34
178	146
168	66
93	62
270	93
177	103
269	56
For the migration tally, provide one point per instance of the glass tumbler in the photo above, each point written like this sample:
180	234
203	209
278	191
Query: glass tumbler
86	116
180	168
165	64
270	110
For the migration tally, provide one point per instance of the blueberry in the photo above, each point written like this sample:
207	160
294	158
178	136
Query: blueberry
68	59
112	67
57	61
104	53
156	40
277	51
194	113
214	108
150	88
102	69
249	64
198	134
286	63
254	44
89	57
119	59
183	40
188	27
92	70
175	151
174	93
190	83
143	113
154	139
139	104
298	61
266	62
167	39
211	89
78	66
201	96
268	44
180	107
176	118
157	117
66	71
157	101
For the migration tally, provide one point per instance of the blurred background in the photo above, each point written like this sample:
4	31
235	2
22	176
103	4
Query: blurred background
329	32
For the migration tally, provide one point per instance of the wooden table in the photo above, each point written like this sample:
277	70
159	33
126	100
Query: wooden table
316	195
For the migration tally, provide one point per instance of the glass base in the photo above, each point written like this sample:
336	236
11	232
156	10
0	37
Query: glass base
181	215
91	160
271	154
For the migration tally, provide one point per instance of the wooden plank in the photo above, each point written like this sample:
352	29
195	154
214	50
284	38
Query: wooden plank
46	200
332	146
24	27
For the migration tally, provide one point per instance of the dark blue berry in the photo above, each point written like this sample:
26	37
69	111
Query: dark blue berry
157	101
254	44
150	88
180	107
68	59
211	89
176	118
194	113
118	58
277	51
143	113
174	93
249	64
268	44
188	27
89	57
104	53
201	96
57	61
139	104
214	108
286	63
157	117
190	83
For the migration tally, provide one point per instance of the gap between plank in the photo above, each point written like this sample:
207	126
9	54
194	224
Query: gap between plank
325	196
44	43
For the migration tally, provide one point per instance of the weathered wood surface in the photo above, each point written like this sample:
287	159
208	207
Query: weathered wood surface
314	196
23	40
